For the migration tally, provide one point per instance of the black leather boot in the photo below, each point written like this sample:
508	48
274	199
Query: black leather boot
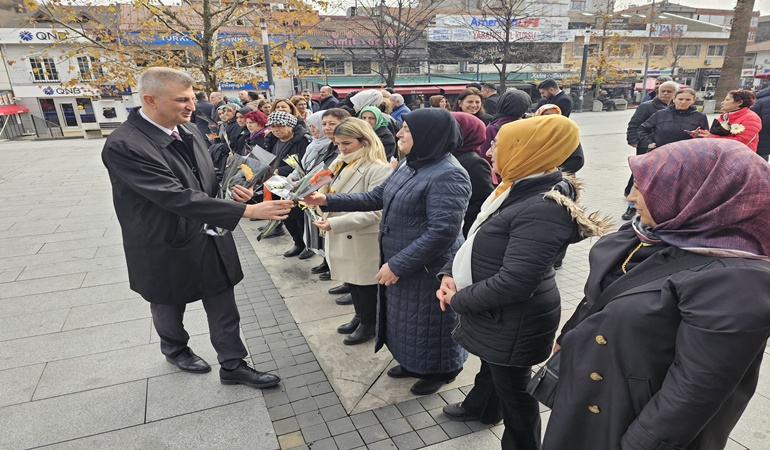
350	326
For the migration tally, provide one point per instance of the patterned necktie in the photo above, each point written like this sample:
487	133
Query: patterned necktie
176	136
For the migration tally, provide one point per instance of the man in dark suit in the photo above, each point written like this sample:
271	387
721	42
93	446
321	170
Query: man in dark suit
491	97
551	94
202	107
163	187
328	100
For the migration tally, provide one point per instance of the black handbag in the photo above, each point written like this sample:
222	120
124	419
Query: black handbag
718	129
543	385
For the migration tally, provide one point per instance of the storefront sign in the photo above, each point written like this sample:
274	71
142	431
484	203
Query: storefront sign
555	75
338	40
516	35
748	72
668	30
31	35
491	21
56	91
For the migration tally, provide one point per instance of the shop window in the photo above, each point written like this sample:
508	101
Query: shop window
577	50
48	107
89	68
657	50
716	50
362	67
409	68
579	5
86	110
622	50
688	50
44	70
334	67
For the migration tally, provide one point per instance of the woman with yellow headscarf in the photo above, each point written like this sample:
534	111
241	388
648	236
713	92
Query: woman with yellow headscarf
502	283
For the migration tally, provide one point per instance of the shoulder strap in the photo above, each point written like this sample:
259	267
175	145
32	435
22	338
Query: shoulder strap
629	282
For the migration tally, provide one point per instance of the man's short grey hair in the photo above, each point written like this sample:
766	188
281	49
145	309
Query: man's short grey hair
217	94
398	98
671	84
156	80
664	78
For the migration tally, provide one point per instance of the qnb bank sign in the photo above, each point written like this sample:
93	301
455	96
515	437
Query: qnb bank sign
31	35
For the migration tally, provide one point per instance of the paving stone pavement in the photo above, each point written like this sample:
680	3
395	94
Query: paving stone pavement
79	360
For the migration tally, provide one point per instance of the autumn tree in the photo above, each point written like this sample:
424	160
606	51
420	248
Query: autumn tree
397	29
214	40
730	76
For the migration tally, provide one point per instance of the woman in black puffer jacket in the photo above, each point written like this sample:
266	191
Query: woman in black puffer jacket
501	282
673	123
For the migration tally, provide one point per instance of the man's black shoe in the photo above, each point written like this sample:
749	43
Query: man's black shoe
427	387
629	214
275	233
350	326
339	290
457	412
346	299
245	374
294	251
188	361
321	268
326	276
363	333
398	372
306	254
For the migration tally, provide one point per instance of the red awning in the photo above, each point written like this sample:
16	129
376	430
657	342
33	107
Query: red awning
451	89
762	75
8	110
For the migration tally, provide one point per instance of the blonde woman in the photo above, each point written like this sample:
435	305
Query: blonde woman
352	246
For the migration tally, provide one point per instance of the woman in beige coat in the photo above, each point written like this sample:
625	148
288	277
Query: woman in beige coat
352	245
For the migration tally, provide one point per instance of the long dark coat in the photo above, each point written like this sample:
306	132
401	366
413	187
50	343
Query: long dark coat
670	364
162	204
420	232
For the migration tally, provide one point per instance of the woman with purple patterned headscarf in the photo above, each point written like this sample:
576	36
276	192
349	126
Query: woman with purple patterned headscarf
672	357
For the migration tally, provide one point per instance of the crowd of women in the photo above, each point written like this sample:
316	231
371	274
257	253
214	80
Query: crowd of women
447	243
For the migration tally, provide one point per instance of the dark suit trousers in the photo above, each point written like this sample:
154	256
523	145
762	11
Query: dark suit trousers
365	302
501	392
295	224
224	328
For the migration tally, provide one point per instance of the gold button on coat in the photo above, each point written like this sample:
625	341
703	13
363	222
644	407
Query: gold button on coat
600	340
596	377
594	409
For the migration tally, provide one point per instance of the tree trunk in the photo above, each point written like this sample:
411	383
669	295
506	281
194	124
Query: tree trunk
736	48
503	77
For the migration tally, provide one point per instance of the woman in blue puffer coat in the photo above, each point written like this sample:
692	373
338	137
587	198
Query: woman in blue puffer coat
423	203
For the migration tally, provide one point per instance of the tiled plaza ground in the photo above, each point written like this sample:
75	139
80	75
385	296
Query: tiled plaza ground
80	365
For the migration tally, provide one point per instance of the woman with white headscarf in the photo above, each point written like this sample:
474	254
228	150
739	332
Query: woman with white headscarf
366	98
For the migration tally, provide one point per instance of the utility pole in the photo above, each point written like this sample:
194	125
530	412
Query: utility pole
581	86
649	49
268	63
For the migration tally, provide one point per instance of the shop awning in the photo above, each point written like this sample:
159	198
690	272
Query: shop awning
405	90
9	110
762	75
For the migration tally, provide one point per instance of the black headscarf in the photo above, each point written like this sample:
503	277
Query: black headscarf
434	132
513	104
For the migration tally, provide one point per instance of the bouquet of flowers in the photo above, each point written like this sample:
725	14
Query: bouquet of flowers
316	178
246	171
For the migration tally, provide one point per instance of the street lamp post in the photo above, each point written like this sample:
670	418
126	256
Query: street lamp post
268	63
586	43
649	50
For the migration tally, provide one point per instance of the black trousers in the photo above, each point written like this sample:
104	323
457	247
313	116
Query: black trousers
224	328
365	302
295	224
500	392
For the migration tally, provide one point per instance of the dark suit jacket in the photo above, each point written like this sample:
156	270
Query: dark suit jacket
163	193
